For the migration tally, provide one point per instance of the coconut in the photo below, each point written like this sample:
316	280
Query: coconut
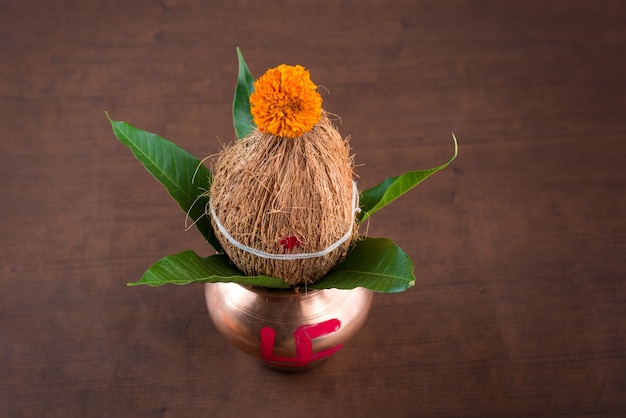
284	207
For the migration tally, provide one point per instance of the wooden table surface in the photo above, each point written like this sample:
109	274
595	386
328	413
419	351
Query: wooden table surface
519	307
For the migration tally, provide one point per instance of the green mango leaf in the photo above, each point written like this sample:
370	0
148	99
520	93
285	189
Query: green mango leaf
188	267
379	196
183	175
377	264
242	118
374	263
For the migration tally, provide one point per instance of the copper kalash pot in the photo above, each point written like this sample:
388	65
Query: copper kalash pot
284	329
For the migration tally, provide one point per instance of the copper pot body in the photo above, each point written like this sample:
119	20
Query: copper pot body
287	330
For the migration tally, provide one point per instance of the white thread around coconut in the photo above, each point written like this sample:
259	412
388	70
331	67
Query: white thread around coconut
295	256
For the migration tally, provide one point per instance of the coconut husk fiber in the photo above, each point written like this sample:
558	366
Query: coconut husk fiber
271	193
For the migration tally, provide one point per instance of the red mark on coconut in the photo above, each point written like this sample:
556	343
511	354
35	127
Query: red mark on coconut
303	336
290	242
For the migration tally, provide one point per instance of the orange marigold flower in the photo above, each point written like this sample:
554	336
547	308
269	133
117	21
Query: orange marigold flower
285	102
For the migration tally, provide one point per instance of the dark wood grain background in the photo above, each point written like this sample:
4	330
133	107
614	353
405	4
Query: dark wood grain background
519	307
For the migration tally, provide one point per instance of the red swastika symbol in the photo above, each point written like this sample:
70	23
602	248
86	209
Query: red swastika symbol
304	346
